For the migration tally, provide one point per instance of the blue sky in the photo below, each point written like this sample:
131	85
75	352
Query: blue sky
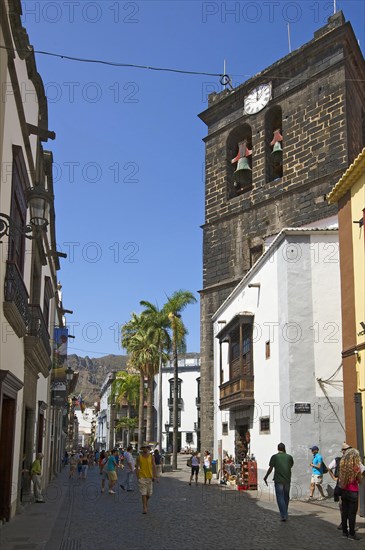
129	156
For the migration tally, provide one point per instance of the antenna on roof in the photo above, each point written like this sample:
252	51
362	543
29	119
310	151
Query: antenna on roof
225	79
289	44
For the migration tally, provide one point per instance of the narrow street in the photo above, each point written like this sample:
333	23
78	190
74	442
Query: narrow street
77	516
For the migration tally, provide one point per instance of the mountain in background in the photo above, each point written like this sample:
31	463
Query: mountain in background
93	372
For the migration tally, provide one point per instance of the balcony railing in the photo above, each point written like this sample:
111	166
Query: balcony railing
170	402
237	392
37	346
38	327
16	297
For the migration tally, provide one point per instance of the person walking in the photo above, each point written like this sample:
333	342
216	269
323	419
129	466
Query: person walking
111	468
349	477
333	470
103	470
101	463
282	463
195	464
146	473
317	473
158	463
207	461
36	475
129	468
73	464
84	465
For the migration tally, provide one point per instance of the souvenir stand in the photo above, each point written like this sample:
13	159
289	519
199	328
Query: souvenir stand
246	479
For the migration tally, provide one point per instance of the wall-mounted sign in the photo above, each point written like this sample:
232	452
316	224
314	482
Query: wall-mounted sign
302	408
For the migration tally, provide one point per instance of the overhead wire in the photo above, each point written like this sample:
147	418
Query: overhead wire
224	78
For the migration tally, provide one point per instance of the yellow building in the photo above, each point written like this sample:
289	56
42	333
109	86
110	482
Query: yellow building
349	193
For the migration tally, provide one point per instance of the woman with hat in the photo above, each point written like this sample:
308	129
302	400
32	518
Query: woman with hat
348	479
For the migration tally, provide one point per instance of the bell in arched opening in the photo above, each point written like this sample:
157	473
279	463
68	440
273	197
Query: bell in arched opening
277	150
243	173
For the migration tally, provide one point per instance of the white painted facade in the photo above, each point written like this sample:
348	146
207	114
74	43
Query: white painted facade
28	271
103	439
84	425
295	305
189	376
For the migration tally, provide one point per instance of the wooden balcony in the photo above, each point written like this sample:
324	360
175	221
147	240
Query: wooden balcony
237	393
16	307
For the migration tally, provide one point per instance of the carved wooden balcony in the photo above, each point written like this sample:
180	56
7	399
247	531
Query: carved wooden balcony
16	307
236	393
37	346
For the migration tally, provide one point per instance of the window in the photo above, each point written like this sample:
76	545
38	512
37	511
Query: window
255	254
224	428
246	349
274	144
240	351
189	437
18	211
171	417
267	349
239	150
198	391
265	425
171	382
48	294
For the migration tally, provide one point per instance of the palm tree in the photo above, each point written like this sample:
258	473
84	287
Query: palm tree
136	338
158	322
125	389
129	331
174	306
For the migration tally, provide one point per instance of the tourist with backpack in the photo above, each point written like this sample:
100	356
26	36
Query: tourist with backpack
318	468
333	470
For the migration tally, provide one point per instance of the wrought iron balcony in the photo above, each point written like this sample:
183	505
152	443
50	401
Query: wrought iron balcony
37	341
170	402
38	327
16	307
236	393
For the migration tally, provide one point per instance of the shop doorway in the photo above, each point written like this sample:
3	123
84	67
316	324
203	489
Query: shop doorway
170	440
6	463
242	442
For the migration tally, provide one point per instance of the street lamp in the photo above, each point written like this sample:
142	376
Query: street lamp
69	375
39	200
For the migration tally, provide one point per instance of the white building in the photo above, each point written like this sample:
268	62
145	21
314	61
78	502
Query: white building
277	355
106	416
29	305
85	425
188	402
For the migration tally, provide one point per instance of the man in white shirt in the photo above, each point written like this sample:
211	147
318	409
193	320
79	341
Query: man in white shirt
129	467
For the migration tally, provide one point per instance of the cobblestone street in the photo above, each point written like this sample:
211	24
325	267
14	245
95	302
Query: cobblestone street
78	517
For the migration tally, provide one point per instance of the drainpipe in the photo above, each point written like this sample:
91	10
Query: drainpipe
360	447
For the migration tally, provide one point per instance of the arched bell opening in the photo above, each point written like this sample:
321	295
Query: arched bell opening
274	144
239	161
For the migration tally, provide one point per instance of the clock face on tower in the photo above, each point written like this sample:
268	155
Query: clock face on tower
257	99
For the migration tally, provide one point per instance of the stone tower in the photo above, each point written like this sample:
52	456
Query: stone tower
314	99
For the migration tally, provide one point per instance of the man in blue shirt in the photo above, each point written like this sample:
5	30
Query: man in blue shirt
317	473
